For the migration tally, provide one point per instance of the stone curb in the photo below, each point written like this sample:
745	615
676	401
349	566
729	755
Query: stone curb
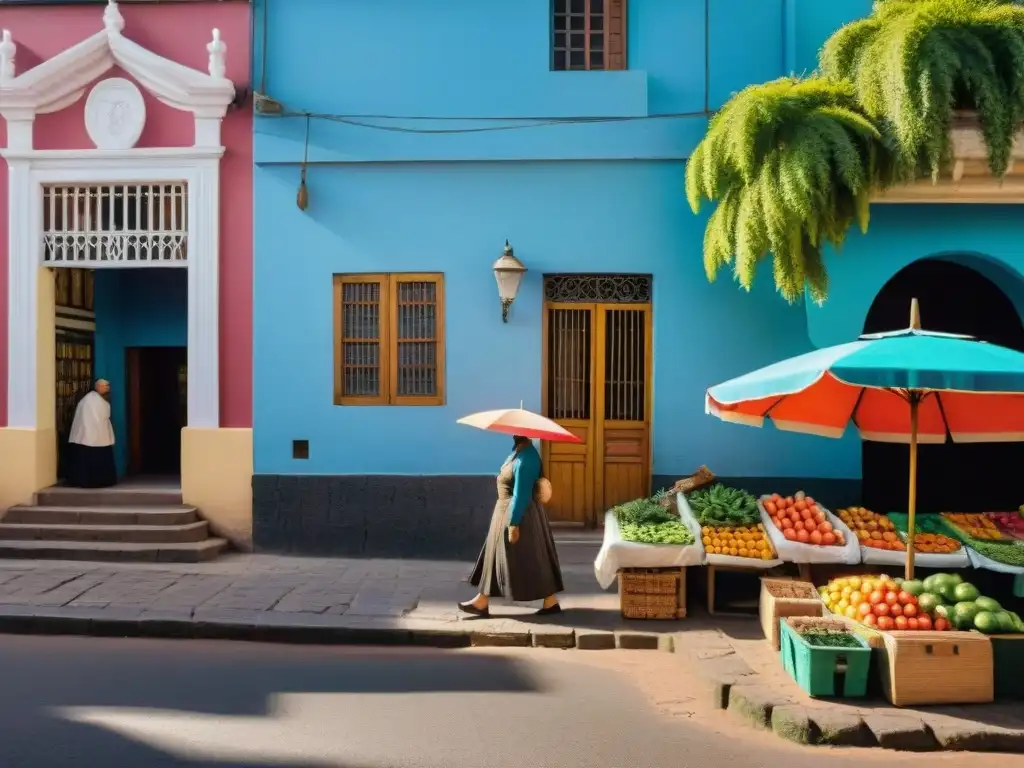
309	629
767	708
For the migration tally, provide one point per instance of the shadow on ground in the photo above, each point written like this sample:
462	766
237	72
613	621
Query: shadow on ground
41	680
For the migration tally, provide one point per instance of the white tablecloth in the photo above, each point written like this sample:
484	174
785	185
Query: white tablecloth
616	553
978	560
796	552
686	513
874	556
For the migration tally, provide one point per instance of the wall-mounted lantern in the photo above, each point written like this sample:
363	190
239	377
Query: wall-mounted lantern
508	272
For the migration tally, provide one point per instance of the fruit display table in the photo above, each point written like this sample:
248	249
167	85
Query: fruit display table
882	542
731	531
787	520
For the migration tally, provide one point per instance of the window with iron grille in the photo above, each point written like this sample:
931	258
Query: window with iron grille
588	34
389	339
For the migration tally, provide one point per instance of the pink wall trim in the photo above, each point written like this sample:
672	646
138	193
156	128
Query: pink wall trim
179	32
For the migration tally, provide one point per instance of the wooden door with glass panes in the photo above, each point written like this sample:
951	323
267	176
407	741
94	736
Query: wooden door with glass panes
597	363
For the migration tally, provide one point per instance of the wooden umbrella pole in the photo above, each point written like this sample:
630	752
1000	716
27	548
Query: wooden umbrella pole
912	492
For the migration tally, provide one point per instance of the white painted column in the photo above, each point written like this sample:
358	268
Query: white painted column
24	262
204	296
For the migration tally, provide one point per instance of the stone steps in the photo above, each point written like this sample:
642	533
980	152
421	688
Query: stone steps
114	551
156	515
138	534
134	522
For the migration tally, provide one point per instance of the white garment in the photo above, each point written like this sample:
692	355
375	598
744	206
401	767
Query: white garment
92	426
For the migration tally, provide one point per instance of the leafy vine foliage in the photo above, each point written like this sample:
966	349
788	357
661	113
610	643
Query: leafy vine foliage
914	62
793	163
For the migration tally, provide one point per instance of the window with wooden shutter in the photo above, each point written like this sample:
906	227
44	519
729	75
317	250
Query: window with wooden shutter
389	339
588	34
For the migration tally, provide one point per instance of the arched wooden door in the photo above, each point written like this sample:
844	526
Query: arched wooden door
597	364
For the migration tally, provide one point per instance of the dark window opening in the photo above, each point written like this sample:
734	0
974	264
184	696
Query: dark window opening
588	34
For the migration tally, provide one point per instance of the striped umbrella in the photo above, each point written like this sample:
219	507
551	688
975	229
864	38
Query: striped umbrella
905	386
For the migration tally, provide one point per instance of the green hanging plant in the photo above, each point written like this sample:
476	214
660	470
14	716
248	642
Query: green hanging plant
917	62
792	164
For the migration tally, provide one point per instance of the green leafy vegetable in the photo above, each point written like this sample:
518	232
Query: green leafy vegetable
721	505
672	532
831	639
646	521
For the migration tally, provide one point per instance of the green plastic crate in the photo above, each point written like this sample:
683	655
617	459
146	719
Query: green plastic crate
814	669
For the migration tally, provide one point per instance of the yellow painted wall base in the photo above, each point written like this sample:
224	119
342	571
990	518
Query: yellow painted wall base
28	463
216	477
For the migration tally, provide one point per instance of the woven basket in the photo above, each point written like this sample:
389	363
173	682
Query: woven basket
652	593
781	598
703	476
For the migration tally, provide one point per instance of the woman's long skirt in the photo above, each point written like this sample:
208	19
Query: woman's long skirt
90	467
525	571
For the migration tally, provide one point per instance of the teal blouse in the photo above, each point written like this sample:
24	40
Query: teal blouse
526	469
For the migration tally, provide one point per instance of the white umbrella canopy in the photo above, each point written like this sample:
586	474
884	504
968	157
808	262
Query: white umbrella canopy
519	421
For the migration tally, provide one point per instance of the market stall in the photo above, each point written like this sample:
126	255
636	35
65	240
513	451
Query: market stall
883	540
648	548
731	531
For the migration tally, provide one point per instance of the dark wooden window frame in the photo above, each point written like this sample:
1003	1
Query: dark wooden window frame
604	18
388	339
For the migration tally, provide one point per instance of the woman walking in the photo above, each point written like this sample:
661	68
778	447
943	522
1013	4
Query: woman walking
518	560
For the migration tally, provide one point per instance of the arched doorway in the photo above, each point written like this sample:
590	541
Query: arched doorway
952	477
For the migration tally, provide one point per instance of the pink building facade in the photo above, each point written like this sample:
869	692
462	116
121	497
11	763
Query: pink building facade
126	139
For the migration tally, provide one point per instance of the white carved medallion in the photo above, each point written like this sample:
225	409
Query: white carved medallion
115	114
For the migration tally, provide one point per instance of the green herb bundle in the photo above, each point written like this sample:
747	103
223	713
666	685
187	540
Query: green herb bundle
721	505
645	521
831	639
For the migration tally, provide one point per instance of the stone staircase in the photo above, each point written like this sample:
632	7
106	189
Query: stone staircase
136	522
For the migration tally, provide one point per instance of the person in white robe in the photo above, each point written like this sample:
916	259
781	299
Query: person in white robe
91	442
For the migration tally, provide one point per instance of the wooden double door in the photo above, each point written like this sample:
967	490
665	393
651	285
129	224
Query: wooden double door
597	365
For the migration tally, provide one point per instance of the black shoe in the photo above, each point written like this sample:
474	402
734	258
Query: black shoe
472	610
556	608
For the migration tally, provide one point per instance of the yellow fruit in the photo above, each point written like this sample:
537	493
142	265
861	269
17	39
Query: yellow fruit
766	555
839	584
855	582
850	612
743	552
842	605
834	597
733	551
856	598
707	541
846	591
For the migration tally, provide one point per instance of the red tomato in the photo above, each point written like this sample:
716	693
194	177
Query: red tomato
828	539
900	622
941	625
770	508
871	620
863	609
809	500
891	598
912	624
896	609
924	622
906	598
910	610
787	524
815	538
885	623
881	609
789	533
802	536
876	598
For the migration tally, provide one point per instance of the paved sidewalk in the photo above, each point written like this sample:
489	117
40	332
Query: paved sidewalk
306	599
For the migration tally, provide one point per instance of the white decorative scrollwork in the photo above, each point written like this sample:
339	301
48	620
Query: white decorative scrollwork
115	114
83	248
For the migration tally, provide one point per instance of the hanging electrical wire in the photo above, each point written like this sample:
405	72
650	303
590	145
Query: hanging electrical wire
302	198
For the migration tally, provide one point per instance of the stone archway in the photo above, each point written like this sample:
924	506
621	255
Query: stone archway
955	297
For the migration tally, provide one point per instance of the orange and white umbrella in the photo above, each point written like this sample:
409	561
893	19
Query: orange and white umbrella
519	421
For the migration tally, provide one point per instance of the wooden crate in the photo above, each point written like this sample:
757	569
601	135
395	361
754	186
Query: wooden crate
936	668
785	597
652	593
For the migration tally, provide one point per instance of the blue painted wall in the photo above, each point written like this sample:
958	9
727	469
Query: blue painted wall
135	308
582	171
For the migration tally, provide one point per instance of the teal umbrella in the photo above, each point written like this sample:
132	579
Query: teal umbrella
906	386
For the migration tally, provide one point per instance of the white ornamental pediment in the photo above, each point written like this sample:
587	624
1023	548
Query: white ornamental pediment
62	80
